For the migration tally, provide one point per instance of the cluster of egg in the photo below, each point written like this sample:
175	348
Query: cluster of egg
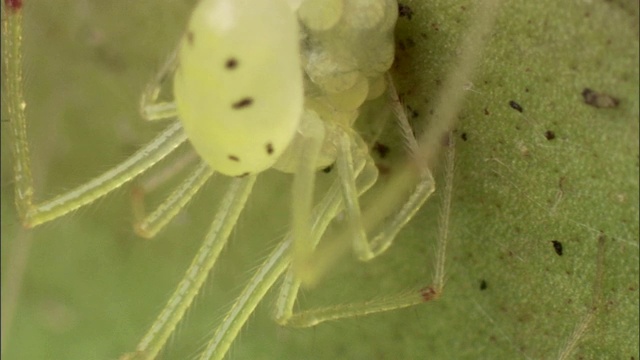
347	46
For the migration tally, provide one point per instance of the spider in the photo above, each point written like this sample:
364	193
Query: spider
240	129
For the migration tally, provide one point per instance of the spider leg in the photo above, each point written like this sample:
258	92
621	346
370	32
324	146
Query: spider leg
148	225
352	153
312	132
353	150
33	214
382	239
152	109
36	214
365	176
165	324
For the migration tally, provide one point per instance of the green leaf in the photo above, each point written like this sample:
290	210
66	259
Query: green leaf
90	287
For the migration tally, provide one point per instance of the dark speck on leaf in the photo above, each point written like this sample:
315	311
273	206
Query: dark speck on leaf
550	135
243	103
516	106
483	284
557	246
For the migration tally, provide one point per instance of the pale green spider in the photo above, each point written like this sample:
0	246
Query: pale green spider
354	166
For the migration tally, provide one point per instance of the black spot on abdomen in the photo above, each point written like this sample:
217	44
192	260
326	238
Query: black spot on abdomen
231	63
243	103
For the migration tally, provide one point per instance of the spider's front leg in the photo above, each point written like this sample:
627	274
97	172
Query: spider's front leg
32	213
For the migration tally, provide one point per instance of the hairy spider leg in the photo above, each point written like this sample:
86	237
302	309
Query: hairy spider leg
225	219
353	154
31	213
353	149
148	225
150	108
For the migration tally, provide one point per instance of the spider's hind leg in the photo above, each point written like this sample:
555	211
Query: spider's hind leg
357	173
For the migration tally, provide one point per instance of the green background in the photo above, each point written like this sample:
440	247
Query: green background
86	287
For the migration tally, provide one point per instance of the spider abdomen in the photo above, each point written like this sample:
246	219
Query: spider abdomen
238	85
